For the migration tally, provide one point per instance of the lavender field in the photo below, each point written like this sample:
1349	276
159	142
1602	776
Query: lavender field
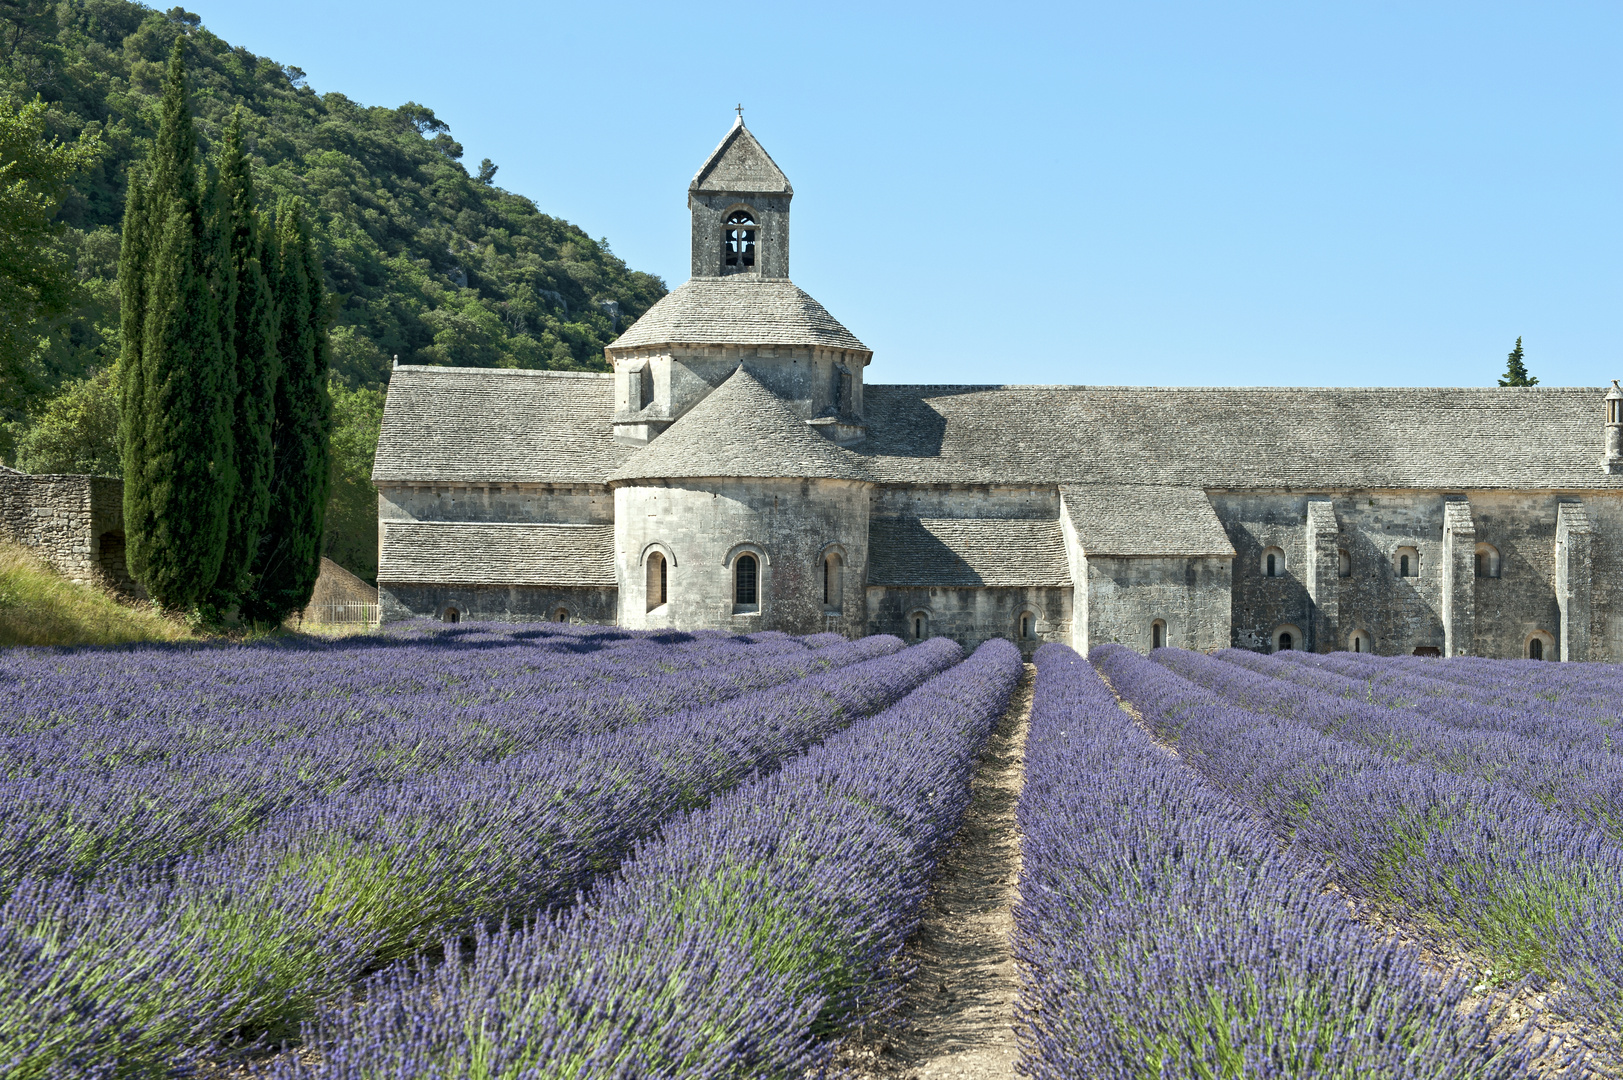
552	851
556	834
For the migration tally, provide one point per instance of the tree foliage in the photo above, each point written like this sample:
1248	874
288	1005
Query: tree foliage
37	284
352	506
1516	369
289	553
178	378
421	259
77	431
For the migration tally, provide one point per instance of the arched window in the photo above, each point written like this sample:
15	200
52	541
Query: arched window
1286	642
561	615
656	580
1487	561
1158	634
452	615
1540	646
1359	641
1286	638
746	578
1408	559
738	243
1343	562
833	582
919	623
1535	649
1273	562
1028	626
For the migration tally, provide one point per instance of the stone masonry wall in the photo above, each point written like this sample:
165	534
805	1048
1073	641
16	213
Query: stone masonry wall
971	615
1127	596
75	523
497	603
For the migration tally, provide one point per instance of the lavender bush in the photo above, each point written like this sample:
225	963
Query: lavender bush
1161	931
734	945
248	936
1562	774
1478	863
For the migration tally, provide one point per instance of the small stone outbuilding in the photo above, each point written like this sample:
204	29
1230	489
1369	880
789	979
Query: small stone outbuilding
74	523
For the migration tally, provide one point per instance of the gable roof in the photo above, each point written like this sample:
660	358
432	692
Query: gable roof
495	425
469	553
1241	437
740	164
741	429
738	311
1144	519
911	551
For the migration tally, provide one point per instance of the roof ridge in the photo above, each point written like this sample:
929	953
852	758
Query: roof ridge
1238	389
542	372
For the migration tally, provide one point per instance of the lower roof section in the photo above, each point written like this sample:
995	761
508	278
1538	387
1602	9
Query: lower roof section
466	553
1020	552
1145	519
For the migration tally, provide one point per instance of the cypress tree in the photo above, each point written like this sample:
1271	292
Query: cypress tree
250	330
1515	370
290	550
179	477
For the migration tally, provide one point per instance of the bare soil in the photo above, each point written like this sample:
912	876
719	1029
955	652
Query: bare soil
957	1018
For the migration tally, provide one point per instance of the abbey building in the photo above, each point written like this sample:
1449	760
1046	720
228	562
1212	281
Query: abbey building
737	470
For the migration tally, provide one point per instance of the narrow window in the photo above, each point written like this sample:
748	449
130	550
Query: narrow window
1487	561
1273	565
656	580
1479	567
453	615
1285	643
1344	562
1403	566
563	615
1025	624
1158	634
744	579
738	243
921	625
1358	643
1535	649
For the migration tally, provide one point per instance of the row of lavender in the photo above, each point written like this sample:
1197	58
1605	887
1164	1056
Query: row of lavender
60	816
117	968
739	943
1451	825
1162	932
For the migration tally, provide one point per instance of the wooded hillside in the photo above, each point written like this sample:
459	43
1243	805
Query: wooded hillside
423	259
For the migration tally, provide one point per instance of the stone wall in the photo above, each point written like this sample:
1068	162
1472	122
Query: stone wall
1127	596
971	615
75	523
702	526
497	603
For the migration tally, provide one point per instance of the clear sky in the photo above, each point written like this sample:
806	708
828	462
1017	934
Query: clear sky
1136	193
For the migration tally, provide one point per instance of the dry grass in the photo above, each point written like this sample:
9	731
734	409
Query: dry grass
38	606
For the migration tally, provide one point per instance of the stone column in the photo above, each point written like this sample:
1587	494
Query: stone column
1573	578
1323	577
1459	580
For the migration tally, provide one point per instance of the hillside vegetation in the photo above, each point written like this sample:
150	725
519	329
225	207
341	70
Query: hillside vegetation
424	260
38	606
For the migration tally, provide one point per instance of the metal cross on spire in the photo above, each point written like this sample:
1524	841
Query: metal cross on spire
740	109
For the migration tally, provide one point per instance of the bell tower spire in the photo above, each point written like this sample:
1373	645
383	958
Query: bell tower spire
740	206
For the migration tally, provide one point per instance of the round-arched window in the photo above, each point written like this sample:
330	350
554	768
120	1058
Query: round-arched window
658	577
1540	645
1273	562
746	580
1487	561
1158	634
562	614
833	582
738	243
918	624
1359	641
1286	638
1028	626
452	615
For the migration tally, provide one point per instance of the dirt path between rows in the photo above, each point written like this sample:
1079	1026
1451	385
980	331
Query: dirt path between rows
957	1018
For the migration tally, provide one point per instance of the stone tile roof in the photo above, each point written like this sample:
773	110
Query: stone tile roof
1145	519
741	429
462	553
738	311
494	425
966	551
740	164
1313	439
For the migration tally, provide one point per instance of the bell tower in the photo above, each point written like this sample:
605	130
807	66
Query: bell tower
740	206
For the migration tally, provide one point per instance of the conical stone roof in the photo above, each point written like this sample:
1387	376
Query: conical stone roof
738	311
741	430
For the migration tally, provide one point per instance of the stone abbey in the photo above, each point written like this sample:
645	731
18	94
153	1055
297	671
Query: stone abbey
738	471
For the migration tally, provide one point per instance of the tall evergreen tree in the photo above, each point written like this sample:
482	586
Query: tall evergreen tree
179	477
1515	370
290	550
250	329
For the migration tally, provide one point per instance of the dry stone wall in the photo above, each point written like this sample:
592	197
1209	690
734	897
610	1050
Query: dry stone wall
75	523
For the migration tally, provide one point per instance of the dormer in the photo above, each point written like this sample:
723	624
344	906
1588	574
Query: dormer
740	206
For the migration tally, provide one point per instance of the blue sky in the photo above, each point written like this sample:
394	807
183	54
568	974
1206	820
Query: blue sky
1145	193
